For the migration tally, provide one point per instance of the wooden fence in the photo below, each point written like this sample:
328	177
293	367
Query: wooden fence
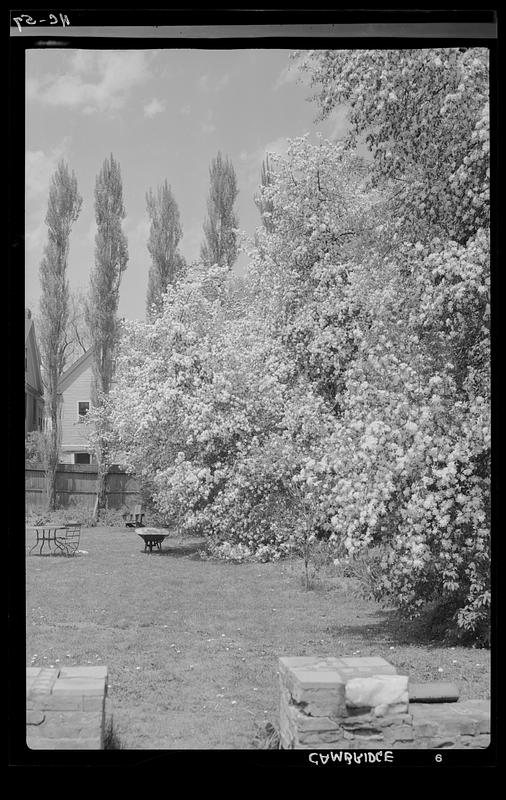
76	486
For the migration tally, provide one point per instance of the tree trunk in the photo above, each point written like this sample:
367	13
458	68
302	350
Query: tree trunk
50	470
101	502
51	484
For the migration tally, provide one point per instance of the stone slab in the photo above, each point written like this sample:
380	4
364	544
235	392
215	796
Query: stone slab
468	717
64	744
83	686
65	708
433	692
83	672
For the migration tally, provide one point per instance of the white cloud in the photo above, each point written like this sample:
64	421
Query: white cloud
207	84
279	146
91	232
155	106
208	125
138	234
95	81
291	74
191	241
35	236
40	166
251	162
223	81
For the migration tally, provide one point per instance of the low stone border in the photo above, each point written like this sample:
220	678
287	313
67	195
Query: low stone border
361	703
65	708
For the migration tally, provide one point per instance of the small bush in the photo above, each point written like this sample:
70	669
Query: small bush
111	518
365	570
266	738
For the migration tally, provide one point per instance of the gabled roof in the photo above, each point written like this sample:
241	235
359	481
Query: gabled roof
73	372
31	340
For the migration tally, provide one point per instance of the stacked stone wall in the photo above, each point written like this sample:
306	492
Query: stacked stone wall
361	703
65	708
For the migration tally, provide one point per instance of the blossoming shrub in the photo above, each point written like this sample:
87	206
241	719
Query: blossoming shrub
352	363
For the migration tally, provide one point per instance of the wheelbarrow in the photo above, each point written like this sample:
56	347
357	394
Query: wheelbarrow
153	537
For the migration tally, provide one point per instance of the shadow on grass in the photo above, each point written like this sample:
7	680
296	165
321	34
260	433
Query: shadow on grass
111	737
388	625
179	551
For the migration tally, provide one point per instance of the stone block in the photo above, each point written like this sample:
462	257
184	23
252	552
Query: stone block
82	686
302	722
65	708
391	710
331	738
64	702
438	719
65	731
378	690
442	742
377	665
94	743
399	733
433	692
43	683
34	717
317	679
480	741
83	672
90	703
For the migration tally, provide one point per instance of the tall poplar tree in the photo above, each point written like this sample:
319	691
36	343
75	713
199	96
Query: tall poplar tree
63	209
265	206
111	257
220	243
165	233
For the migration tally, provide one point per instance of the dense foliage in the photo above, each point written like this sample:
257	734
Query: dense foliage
165	233
111	259
220	237
341	390
64	205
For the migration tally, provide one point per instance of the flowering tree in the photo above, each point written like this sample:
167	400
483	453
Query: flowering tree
353	360
425	117
412	449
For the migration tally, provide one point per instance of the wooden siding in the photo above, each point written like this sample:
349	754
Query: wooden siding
76	485
34	400
74	432
34	410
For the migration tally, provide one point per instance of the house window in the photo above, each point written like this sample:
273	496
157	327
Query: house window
82	410
81	458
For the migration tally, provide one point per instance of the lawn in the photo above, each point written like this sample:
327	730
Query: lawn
192	645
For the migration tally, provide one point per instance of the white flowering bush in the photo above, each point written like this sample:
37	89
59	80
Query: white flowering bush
352	362
425	116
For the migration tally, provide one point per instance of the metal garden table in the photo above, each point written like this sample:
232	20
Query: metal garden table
45	535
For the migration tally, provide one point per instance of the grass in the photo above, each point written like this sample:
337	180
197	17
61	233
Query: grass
192	645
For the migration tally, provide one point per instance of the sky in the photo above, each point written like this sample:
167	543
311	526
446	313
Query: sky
163	114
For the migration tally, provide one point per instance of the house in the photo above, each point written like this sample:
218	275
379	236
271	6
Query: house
75	392
34	390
